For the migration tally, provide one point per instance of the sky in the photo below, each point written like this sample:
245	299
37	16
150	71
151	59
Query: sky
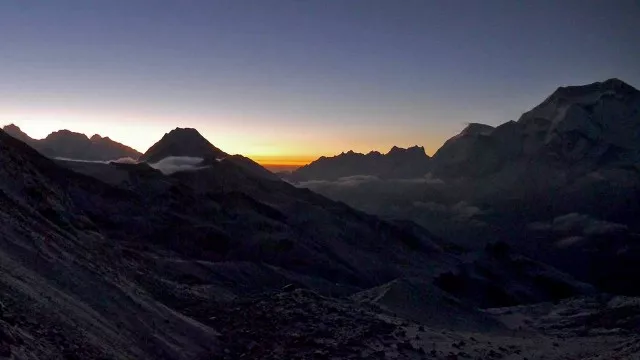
287	81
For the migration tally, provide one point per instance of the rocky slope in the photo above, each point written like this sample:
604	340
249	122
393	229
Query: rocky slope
311	326
71	145
90	270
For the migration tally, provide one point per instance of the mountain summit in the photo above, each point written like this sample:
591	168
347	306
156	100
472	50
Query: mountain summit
72	145
189	142
182	142
590	125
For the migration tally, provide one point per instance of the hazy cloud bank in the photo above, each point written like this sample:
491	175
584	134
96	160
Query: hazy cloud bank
124	160
358	180
578	224
461	210
574	228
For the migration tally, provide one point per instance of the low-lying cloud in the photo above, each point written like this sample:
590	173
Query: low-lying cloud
167	166
124	160
461	210
173	164
578	224
358	180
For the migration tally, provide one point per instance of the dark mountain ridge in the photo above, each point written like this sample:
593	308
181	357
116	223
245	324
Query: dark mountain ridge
188	142
398	162
72	145
182	142
587	127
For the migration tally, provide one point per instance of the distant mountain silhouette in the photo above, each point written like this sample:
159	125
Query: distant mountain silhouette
190	143
72	145
182	142
397	163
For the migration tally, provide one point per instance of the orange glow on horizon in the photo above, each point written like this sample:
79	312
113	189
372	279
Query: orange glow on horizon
283	160
274	150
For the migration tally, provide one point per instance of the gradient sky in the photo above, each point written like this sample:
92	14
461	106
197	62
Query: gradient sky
292	80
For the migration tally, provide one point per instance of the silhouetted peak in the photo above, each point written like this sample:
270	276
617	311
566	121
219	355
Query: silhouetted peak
97	137
182	142
476	129
184	132
413	150
615	82
349	153
394	149
66	135
12	128
612	85
17	133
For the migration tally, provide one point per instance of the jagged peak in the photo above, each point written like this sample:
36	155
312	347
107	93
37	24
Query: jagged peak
412	149
12	127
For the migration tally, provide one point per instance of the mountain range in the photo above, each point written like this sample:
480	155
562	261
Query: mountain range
72	145
559	184
187	252
398	162
588	126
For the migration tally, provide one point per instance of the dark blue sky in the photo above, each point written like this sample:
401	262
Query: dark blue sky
301	78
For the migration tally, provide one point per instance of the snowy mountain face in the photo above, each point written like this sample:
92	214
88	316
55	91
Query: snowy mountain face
397	163
71	145
582	121
591	126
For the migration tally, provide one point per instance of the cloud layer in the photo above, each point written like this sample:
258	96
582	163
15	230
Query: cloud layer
173	164
357	180
167	166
